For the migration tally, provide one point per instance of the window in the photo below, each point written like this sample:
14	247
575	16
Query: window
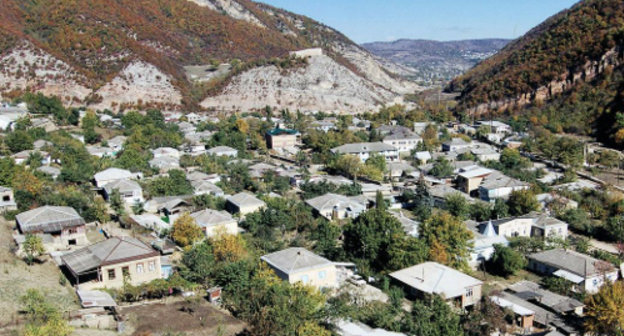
111	274
125	271
151	266
322	274
305	279
469	292
140	268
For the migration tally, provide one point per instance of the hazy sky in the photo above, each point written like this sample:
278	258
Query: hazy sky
386	20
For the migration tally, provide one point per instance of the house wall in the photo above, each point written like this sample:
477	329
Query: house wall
469	184
323	277
519	227
593	284
403	145
282	140
469	300
136	278
227	228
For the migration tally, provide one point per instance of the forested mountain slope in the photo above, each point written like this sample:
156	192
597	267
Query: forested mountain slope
118	53
565	73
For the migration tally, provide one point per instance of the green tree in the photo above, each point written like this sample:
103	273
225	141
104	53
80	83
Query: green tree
18	141
457	205
89	122
444	232
434	319
33	247
43	318
604	311
441	168
522	202
505	261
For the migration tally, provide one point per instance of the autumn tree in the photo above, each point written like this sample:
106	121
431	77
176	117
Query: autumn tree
447	235
185	230
604	311
228	247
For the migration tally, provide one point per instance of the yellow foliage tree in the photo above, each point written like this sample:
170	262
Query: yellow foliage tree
25	180
242	126
228	247
437	252
604	311
185	230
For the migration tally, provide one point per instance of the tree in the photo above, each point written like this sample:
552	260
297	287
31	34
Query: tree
441	168
349	165
511	159
604	311
116	203
33	247
43	318
500	209
522	202
450	233
434	319
228	247
18	141
89	121
485	319
406	252
377	161
457	205
185	231
505	261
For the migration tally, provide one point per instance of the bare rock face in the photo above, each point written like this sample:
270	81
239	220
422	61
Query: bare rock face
231	8
27	67
137	83
322	85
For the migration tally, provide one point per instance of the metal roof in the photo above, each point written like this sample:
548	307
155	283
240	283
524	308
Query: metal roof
48	219
431	277
295	259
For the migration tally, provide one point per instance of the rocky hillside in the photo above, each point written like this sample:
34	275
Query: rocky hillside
565	73
125	53
433	62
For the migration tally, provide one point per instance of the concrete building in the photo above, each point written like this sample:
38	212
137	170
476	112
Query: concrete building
222	151
62	226
364	150
130	191
114	174
215	222
585	272
470	180
451	285
485	237
243	203
498	185
297	264
7	200
404	142
281	138
455	144
334	206
107	263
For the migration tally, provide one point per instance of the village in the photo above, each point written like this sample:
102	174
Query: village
129	216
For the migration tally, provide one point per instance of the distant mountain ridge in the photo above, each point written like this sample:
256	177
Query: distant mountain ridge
436	61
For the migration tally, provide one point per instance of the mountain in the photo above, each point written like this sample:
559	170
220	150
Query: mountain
432	62
225	55
566	74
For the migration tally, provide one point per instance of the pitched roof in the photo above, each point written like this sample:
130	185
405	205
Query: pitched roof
210	217
206	186
108	252
48	219
499	180
221	149
122	185
571	261
332	201
245	199
363	147
113	174
295	259
434	278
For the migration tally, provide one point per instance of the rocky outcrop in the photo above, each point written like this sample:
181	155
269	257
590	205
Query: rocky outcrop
561	84
322	85
231	8
26	67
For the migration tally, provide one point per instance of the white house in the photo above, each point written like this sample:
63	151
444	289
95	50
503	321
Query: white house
166	151
496	126
455	144
498	185
364	150
114	174
404	142
223	151
215	222
334	206
130	191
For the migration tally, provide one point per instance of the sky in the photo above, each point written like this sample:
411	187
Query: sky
443	20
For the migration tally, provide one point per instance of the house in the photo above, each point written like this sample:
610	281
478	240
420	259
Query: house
410	226
195	147
585	272
165	163
403	140
433	278
420	127
223	151
117	143
47	124
243	203
10	114
186	127
498	185
130	191
200	176
469	180
556	201
215	222
194	118
297	264
398	169
334	206
99	151
206	188
455	144
485	237
364	150
560	304
113	262
510	227
524	316
281	138
422	157
170	207
7	200
23	156
41	144
114	174
323	125
485	153
496	126
546	226
355	328
166	152
440	192
151	222
49	170
257	170
63	225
